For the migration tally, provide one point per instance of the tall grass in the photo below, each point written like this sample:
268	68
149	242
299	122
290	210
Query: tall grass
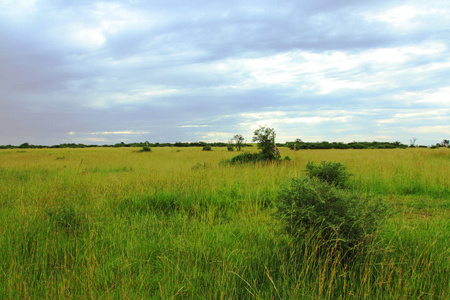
117	223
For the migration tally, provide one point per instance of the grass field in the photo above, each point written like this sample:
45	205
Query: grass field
107	223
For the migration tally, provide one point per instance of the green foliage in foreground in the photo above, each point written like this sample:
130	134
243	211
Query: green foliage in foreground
330	172
344	221
110	223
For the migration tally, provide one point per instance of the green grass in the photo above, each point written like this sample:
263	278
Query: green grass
116	223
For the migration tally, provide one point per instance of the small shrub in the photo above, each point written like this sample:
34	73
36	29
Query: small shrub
246	158
333	173
230	148
344	222
287	158
146	149
207	148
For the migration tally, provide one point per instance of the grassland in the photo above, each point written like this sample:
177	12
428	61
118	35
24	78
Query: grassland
107	223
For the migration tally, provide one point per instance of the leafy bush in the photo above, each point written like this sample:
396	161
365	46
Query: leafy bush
146	149
230	148
333	173
265	137
246	158
207	148
343	221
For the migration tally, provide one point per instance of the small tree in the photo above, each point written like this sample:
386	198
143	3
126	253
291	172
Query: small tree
238	141
265	137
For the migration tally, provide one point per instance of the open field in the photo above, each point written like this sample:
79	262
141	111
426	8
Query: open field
175	223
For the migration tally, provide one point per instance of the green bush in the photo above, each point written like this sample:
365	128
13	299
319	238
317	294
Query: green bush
230	148
265	138
246	158
146	149
343	221
207	148
333	173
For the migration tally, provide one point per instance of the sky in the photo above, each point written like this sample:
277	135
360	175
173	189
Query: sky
105	72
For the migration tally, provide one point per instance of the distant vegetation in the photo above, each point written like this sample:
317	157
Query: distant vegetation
239	143
296	145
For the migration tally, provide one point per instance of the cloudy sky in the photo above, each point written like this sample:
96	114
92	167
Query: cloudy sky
103	72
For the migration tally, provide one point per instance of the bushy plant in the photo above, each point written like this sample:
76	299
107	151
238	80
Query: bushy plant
146	149
344	221
230	148
246	158
333	173
265	137
207	148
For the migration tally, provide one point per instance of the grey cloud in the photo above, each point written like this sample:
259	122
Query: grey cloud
49	76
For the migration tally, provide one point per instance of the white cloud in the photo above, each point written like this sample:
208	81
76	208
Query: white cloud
217	136
90	37
118	132
440	97
439	129
17	8
194	126
95	139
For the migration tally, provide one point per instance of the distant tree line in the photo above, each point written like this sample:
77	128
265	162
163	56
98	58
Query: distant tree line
297	145
122	144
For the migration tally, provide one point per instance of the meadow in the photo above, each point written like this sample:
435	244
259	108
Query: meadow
107	223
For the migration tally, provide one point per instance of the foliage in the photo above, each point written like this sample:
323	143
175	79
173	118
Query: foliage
238	141
299	145
207	148
146	149
230	148
333	173
246	158
344	221
265	137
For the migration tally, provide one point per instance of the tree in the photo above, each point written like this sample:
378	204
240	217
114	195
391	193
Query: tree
238	141
265	137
